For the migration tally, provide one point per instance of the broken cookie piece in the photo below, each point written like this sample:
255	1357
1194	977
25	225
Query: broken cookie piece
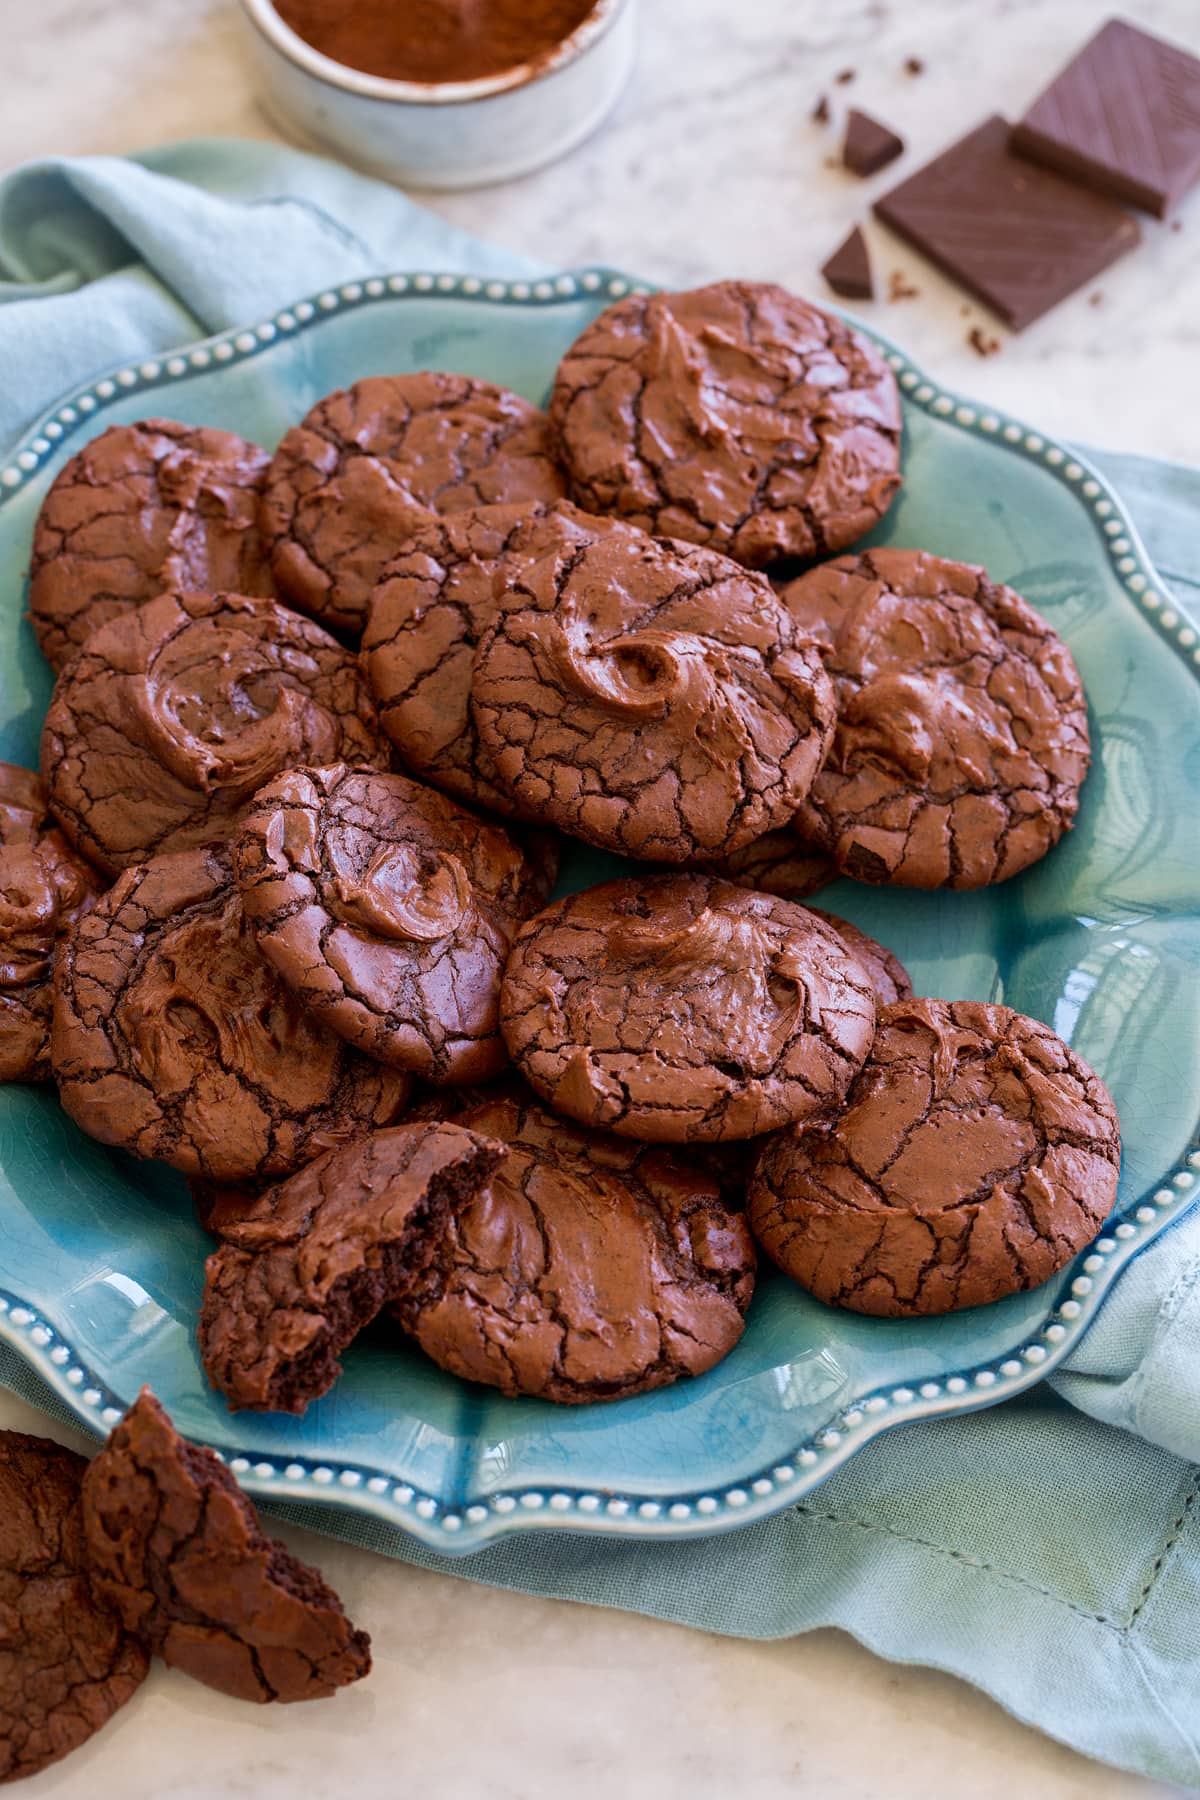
67	1663
319	1257
976	1155
177	1551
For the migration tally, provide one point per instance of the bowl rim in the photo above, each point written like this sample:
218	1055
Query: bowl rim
262	17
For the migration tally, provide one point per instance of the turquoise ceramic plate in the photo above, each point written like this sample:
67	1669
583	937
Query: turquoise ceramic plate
100	1259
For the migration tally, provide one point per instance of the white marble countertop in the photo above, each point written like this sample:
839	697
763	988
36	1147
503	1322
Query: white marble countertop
711	166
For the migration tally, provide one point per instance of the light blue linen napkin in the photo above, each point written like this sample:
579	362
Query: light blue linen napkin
1048	1552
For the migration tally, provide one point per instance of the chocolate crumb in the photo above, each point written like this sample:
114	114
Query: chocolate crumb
844	76
913	65
820	112
1096	298
981	343
900	287
1176	224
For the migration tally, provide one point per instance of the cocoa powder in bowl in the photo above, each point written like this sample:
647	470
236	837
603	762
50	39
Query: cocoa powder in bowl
434	40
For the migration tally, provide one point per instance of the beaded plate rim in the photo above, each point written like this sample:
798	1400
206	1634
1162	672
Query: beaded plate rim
1078	1293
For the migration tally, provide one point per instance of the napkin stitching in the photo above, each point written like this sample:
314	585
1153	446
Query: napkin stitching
1169	1543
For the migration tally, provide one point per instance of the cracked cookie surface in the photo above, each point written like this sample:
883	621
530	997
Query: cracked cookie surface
588	1268
66	1663
173	1038
172	717
318	1257
962	736
684	1009
734	415
976	1155
651	698
779	862
890	980
178	1552
388	910
44	886
141	509
350	483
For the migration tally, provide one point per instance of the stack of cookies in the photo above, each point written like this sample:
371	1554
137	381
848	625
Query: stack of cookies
325	721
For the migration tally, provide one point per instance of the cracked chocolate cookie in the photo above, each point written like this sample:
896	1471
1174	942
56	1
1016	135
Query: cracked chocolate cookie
44	887
388	911
588	1268
171	717
683	1009
66	1663
976	1155
178	1552
778	862
736	416
173	1038
962	735
141	509
890	980
298	1277
651	698
348	484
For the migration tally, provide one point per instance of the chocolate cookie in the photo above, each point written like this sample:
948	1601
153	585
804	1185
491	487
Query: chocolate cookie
734	415
348	484
890	980
44	887
173	1038
962	733
682	1009
178	1552
388	911
66	1663
168	721
141	509
320	1256
975	1156
651	698
778	862
433	605
586	1269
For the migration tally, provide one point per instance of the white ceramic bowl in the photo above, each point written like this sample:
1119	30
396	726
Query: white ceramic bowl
444	134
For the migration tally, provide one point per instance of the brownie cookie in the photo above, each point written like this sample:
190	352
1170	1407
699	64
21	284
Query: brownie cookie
890	980
962	735
44	887
682	1009
178	1552
320	1256
349	483
651	698
66	1663
587	1269
168	721
734	415
778	862
388	911
173	1038
976	1155
141	509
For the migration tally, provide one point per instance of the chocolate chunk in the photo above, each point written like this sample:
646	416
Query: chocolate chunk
66	1663
976	1155
319	1257
173	716
349	484
44	886
889	979
962	735
141	509
174	1039
1017	237
913	65
848	270
178	1552
650	697
778	862
735	416
1123	117
587	1269
388	911
683	1009
869	146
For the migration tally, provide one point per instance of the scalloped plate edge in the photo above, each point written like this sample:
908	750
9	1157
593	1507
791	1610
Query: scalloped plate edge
481	1519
